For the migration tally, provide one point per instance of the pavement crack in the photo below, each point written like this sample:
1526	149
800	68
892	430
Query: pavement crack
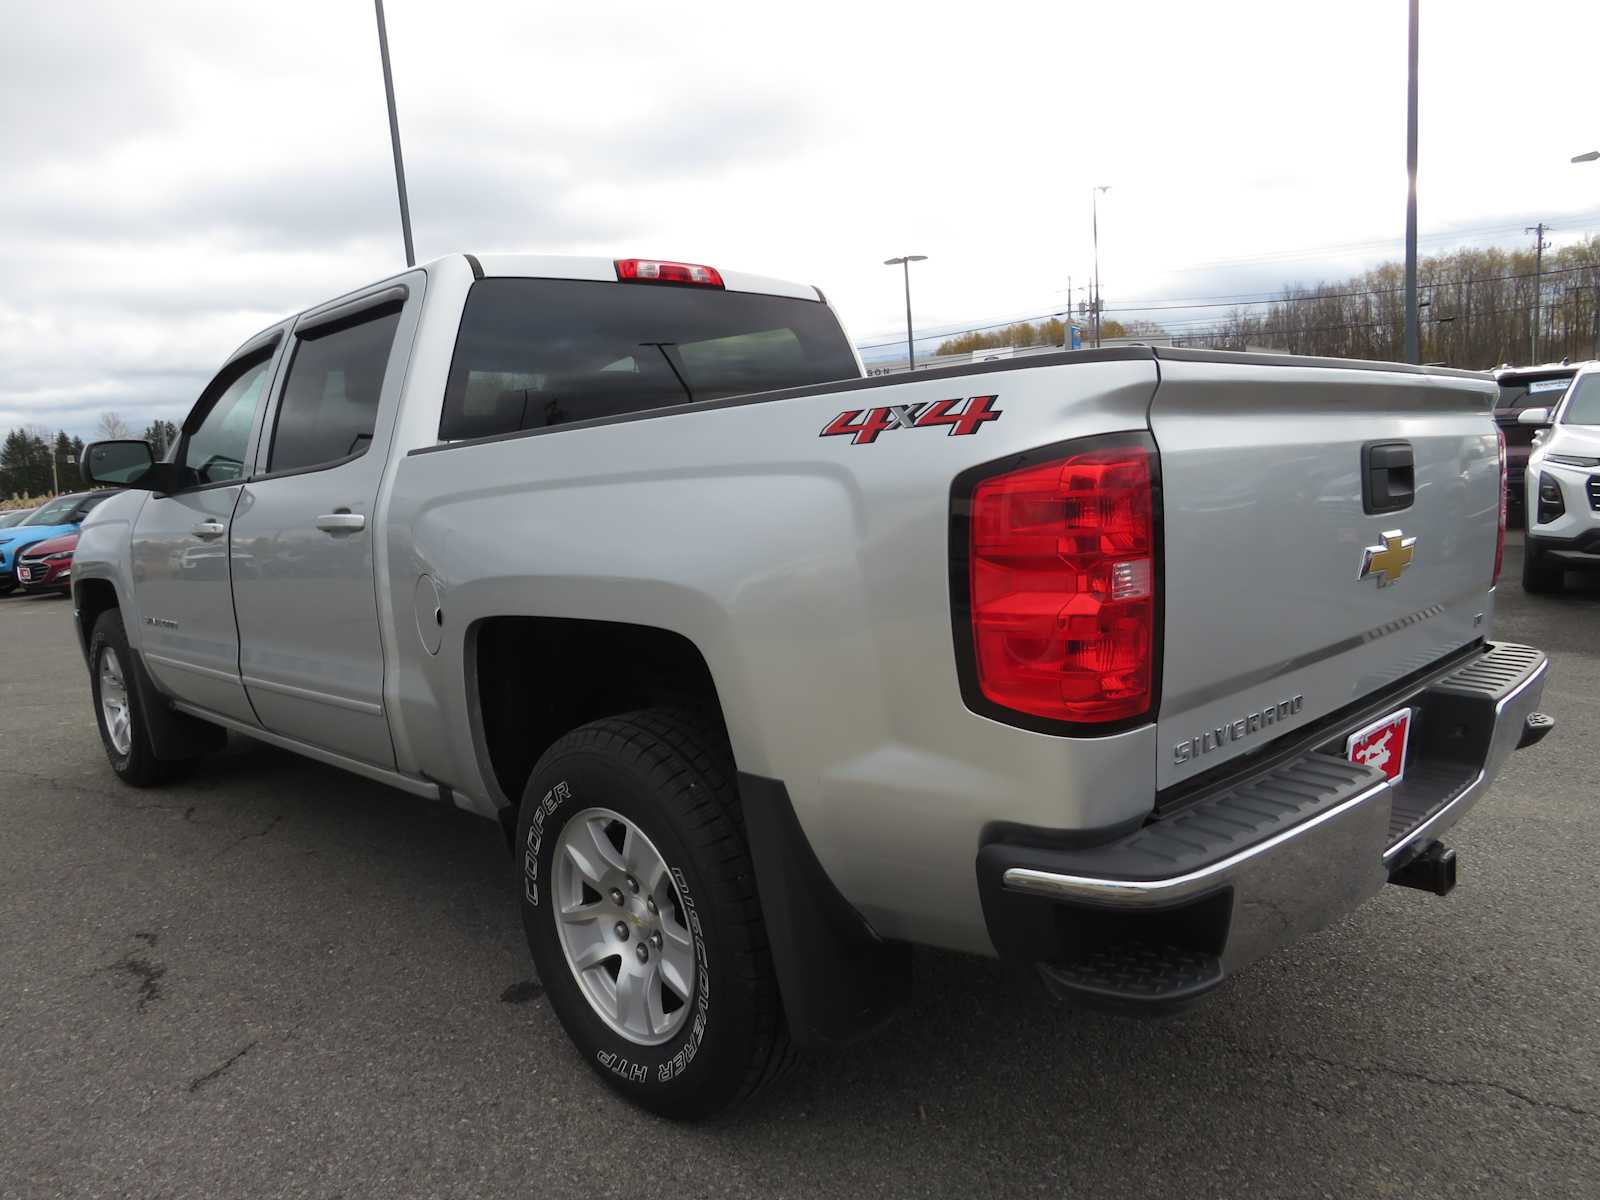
1448	1082
217	1072
245	837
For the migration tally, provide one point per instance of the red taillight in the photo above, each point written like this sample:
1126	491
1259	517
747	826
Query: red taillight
652	270
1500	534
1062	569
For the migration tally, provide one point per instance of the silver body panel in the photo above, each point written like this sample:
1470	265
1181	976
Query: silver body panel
1265	539
813	576
310	651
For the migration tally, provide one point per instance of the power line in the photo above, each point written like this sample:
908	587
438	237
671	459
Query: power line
1291	255
1286	299
1279	299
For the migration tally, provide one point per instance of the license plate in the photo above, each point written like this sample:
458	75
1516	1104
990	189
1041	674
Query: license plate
1382	744
27	573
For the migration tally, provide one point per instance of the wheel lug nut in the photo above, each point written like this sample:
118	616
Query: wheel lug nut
621	930
655	939
650	905
633	884
643	952
616	897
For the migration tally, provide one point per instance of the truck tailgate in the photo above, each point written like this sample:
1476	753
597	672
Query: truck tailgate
1269	623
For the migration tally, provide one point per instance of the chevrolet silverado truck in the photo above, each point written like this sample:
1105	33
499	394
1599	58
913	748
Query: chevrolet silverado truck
1133	664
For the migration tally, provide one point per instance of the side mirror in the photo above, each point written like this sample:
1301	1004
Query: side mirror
1534	416
125	463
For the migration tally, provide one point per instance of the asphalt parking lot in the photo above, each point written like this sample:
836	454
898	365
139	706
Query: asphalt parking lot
275	979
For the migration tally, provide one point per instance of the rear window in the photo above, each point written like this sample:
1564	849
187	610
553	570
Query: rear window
539	352
1532	393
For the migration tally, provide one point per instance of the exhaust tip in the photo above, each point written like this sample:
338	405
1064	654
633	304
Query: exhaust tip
1433	870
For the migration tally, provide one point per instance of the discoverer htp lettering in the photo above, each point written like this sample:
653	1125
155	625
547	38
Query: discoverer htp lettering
864	425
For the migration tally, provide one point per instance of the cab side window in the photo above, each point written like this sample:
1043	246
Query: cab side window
213	452
329	408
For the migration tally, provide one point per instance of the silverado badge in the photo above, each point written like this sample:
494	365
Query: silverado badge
1388	560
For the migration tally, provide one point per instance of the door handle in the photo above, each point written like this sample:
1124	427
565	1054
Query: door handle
341	522
1388	476
207	530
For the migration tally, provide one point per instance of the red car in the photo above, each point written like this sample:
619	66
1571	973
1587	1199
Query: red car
47	566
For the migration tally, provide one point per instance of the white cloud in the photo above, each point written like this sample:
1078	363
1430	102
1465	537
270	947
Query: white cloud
178	173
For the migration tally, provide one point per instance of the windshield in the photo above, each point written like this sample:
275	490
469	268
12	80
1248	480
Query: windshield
9	519
1583	406
54	513
1532	393
536	352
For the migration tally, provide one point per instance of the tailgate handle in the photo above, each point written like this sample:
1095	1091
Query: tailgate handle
1388	477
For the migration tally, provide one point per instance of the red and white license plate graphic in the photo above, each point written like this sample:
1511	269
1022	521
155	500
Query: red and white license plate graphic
1382	744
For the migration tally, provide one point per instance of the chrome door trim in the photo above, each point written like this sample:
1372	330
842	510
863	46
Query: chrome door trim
416	787
300	693
178	664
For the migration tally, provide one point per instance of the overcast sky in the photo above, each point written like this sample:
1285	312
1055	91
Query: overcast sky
176	175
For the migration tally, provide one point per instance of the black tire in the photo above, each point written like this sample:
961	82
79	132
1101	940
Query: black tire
671	775
7	588
137	766
1539	576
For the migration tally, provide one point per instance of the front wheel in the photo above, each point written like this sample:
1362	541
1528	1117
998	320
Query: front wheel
639	902
117	706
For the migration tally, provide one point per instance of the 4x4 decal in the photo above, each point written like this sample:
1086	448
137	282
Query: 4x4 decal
866	424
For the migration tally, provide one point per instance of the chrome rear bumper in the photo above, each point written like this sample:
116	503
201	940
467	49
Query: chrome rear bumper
1279	854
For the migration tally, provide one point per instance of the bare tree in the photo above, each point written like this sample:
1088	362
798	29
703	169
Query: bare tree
112	426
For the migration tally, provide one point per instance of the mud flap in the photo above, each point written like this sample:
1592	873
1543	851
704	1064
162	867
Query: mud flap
838	979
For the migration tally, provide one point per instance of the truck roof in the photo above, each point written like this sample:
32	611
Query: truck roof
595	268
604	270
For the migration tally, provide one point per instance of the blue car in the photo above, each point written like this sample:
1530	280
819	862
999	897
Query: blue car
61	515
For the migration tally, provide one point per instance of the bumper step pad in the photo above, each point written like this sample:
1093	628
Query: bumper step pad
1135	975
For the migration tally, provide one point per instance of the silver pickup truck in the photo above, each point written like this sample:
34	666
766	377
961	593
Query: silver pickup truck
1133	664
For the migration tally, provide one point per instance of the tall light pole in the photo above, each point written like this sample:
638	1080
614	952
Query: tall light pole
394	136
1094	195
1413	353
904	262
1538	232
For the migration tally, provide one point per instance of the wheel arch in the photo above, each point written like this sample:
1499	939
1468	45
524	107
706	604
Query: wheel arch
531	679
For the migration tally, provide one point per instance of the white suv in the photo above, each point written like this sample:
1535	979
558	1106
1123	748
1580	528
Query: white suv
1563	486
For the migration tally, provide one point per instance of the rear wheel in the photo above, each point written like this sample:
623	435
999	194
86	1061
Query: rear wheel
640	907
1539	574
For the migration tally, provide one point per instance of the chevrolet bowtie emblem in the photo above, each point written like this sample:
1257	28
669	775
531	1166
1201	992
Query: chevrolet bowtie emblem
1388	560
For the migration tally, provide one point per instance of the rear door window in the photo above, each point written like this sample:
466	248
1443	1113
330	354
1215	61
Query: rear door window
330	400
540	352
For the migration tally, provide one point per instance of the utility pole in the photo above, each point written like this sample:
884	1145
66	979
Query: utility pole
394	136
905	261
1538	232
1412	352
1095	300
